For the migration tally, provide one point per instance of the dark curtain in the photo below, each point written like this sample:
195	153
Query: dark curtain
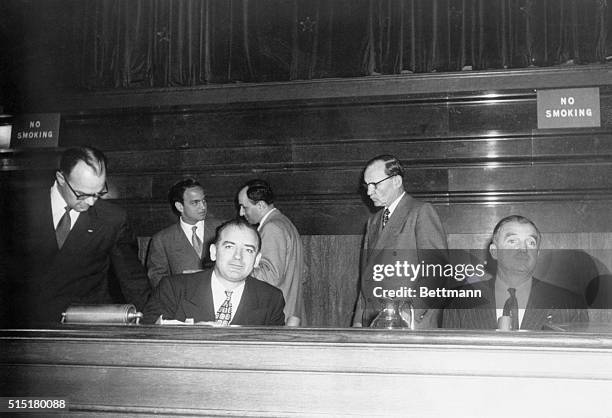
163	43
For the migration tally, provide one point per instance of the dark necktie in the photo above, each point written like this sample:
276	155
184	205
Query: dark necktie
224	314
63	228
386	214
511	308
196	241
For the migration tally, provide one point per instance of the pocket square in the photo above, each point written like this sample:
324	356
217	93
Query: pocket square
90	230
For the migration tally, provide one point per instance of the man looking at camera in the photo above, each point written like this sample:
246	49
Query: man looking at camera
225	294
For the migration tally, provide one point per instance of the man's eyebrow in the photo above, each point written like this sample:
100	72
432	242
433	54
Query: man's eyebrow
228	242
250	246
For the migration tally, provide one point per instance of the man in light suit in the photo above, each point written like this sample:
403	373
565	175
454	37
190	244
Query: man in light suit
66	245
282	259
225	294
404	230
514	292
182	247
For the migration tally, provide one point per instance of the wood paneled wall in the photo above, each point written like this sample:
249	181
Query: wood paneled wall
470	144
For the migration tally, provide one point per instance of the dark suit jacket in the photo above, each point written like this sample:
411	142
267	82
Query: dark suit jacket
190	296
171	253
414	233
44	281
545	300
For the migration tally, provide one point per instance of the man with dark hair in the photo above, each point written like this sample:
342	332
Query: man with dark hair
66	242
225	294
182	247
282	260
405	230
514	294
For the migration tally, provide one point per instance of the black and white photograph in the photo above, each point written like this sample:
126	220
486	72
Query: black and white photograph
306	208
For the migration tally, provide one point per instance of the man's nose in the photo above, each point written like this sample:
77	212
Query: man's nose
91	200
238	254
241	211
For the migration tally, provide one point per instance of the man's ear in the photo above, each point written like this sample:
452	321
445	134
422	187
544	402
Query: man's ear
493	250
257	259
60	177
213	252
398	181
179	206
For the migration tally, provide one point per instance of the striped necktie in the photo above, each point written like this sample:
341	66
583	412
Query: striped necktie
196	241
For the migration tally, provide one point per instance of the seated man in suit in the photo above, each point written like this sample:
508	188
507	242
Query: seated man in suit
524	301
68	245
225	294
182	247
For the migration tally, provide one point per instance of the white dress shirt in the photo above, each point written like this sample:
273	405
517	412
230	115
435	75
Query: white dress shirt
58	207
522	296
393	205
188	229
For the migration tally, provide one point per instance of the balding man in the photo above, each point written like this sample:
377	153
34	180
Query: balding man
69	245
526	302
282	259
404	230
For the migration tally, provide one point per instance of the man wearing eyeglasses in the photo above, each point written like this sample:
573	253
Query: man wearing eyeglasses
404	230
66	243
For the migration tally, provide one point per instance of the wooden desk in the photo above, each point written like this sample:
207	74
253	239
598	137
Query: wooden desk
191	371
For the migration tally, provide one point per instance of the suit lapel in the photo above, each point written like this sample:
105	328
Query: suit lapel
84	228
386	236
200	305
380	238
487	314
43	227
275	212
181	241
248	303
535	316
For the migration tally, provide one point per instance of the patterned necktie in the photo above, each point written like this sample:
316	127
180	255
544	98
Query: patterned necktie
196	241
224	314
386	214
63	228
511	308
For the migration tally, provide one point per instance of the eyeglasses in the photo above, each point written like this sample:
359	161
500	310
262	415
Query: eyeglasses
375	184
85	196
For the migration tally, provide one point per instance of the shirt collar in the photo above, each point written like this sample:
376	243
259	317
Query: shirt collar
217	284
58	207
263	219
57	200
187	228
522	293
393	205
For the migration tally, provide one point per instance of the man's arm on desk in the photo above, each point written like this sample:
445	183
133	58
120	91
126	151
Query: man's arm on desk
163	301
